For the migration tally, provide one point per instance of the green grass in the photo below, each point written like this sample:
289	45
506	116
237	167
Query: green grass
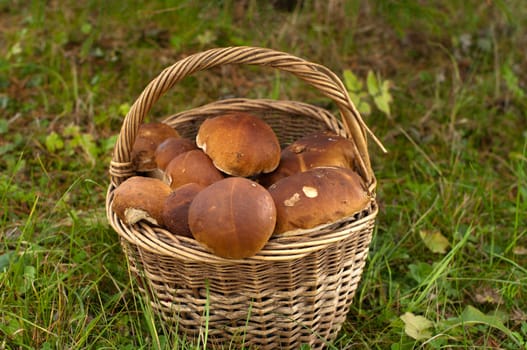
456	167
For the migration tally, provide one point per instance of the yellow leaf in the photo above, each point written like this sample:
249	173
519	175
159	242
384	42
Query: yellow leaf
434	241
519	250
417	327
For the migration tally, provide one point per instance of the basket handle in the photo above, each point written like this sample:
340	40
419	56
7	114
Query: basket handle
314	74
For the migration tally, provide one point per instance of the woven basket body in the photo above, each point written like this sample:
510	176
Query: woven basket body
298	289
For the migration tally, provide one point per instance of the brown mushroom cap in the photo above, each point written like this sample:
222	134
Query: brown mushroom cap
239	144
140	198
317	196
175	210
192	166
170	149
233	217
323	148
149	136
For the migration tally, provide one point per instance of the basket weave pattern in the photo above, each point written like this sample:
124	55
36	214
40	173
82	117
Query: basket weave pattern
298	289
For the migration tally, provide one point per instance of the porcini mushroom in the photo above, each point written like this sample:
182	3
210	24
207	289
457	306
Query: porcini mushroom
317	196
192	166
148	138
170	149
140	198
175	209
233	217
239	144
322	148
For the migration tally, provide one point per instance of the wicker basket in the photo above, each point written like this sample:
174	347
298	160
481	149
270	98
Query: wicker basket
298	289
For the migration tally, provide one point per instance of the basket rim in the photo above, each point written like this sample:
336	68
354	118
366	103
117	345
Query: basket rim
279	248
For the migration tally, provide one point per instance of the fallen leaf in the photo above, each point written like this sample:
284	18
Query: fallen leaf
417	327
435	241
518	315
488	296
519	250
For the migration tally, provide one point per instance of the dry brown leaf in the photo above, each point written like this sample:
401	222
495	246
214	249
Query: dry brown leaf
520	250
488	295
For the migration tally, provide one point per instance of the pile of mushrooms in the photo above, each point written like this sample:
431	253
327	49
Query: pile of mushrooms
233	188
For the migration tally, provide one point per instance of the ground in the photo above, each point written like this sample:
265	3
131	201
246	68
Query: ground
442	85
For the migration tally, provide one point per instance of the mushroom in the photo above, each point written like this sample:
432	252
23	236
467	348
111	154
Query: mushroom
170	149
322	148
234	217
175	210
192	166
148	138
140	198
239	144
317	196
